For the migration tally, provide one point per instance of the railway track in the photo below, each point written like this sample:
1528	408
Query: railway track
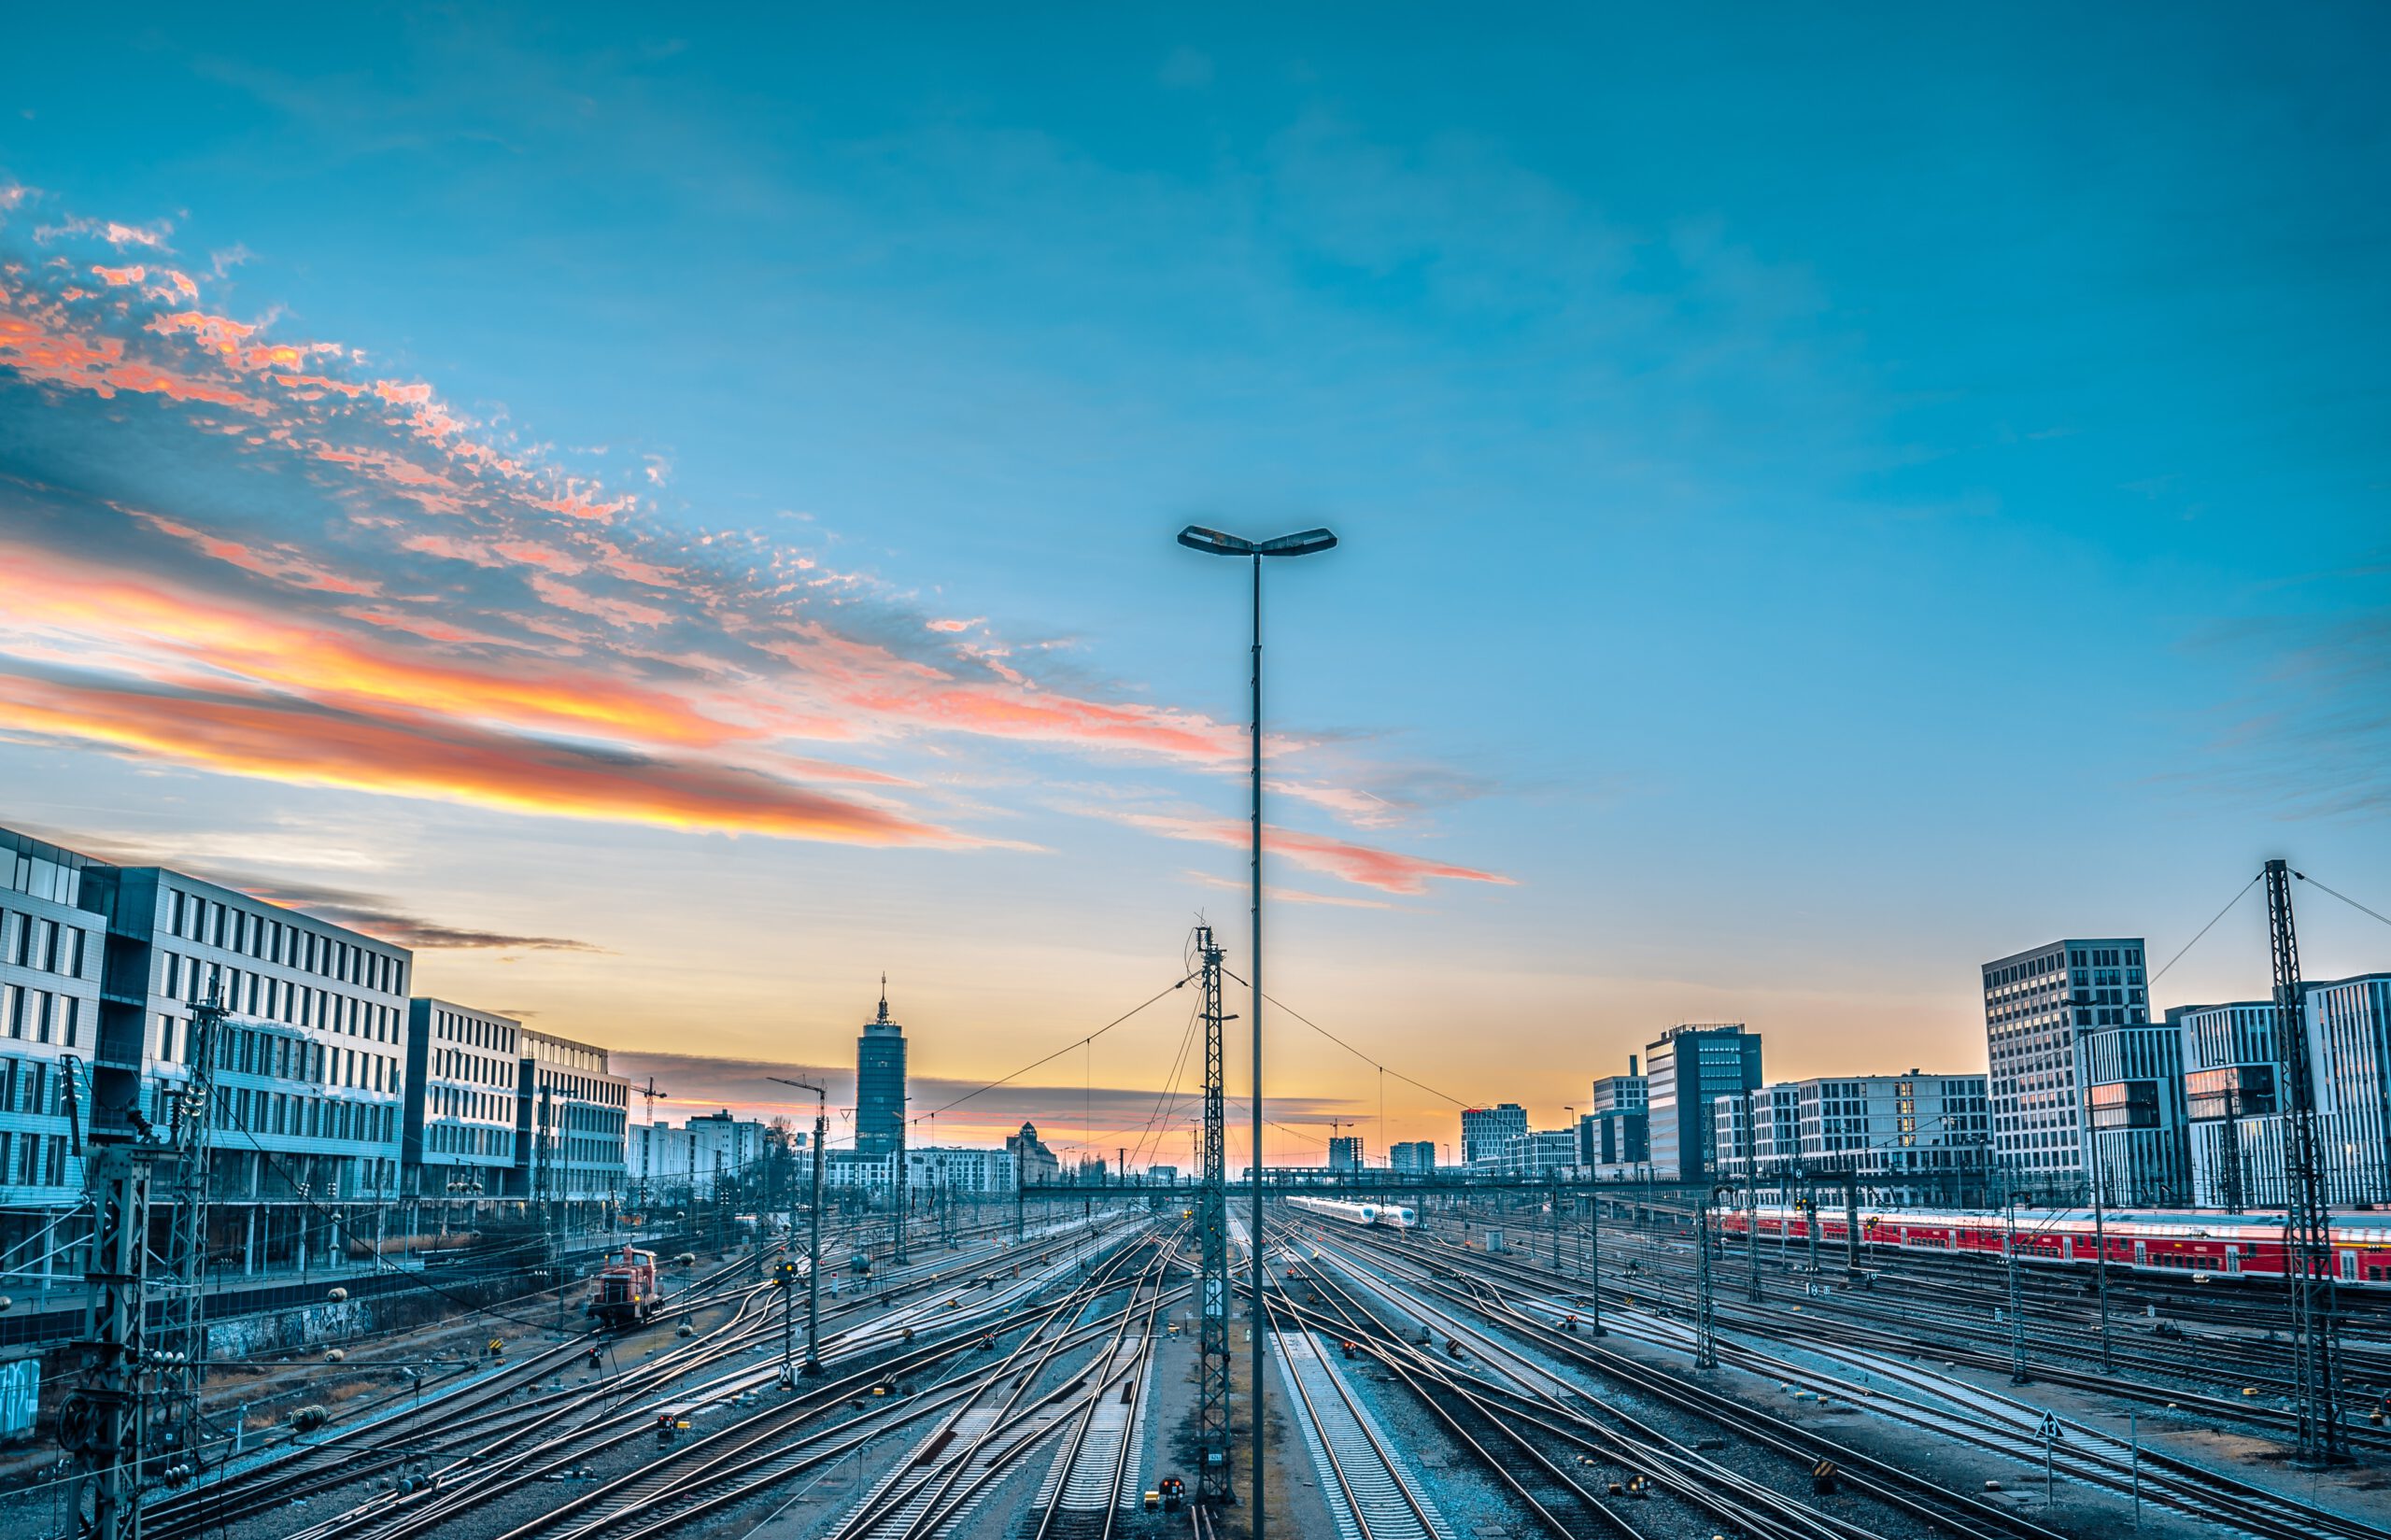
1372	1495
1860	1319
506	1431
1008	1418
1493	1290
752	1457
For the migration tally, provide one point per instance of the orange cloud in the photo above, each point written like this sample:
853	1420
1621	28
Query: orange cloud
56	357
280	563
177	637
281	740
953	625
617	611
118	277
1365	865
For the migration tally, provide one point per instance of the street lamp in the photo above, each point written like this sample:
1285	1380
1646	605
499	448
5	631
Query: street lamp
813	1242
1215	542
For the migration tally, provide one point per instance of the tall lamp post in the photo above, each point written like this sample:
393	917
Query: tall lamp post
1214	543
814	1240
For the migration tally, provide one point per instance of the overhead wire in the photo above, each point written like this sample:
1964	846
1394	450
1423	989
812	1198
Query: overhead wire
1351	1048
2206	928
1075	1042
2343	897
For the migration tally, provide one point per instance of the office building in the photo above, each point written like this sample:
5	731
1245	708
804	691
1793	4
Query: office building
661	1167
1908	1135
457	1142
2236	1095
732	1148
1345	1152
936	1172
2137	1134
2349	1021
307	1119
1618	1129
1413	1155
880	1083
1544	1153
571	1126
2232	1101
51	951
1485	1129
1688	1069
2037	1005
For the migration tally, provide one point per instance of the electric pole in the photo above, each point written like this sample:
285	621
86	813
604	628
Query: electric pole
813	1364
1213	1233
2317	1373
651	1092
183	1351
1706	1340
1751	1193
2017	1298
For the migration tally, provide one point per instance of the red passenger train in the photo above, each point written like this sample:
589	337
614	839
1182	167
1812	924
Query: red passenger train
2235	1245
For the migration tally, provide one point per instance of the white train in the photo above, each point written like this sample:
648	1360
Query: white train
1393	1216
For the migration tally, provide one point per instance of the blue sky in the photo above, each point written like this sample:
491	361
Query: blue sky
1825	502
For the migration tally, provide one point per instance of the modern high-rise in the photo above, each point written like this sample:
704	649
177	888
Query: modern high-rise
1345	1152
880	1083
1485	1129
2037	1005
1413	1155
1689	1069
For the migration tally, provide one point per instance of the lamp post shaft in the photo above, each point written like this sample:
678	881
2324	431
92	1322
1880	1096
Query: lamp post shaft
814	1253
1260	1319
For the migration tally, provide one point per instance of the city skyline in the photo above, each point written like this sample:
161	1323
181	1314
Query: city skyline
666	560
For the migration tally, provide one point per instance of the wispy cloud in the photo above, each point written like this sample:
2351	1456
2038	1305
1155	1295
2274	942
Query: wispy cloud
326	574
1390	871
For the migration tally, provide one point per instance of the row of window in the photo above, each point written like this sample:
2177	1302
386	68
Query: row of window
451	1101
268	998
284	943
29	941
288	1114
454	1063
28	1158
248	1052
450	1138
473	1031
40	1015
31	1086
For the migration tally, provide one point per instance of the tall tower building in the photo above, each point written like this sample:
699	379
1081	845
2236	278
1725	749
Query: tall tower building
880	1083
2038	1008
1691	1067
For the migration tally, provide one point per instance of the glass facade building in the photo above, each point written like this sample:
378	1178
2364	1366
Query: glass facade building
1688	1070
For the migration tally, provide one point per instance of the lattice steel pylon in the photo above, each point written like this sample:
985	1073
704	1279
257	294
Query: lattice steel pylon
2307	1234
1705	1324
103	1424
1212	1232
182	1347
